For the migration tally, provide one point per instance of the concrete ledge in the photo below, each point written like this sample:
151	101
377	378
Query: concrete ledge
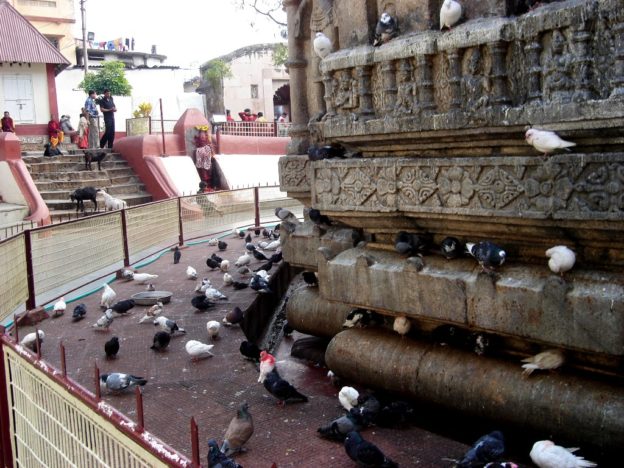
583	312
571	407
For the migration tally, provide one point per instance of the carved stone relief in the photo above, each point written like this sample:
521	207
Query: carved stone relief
562	187
293	173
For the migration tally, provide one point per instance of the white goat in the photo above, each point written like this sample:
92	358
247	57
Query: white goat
111	202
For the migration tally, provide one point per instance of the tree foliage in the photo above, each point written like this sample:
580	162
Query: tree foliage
111	76
271	9
216	71
280	55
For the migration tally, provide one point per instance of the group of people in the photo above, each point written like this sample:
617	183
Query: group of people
247	116
88	135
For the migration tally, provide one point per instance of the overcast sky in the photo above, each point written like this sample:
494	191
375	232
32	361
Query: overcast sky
188	32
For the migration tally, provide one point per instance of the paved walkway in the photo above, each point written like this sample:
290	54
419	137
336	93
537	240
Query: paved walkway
212	389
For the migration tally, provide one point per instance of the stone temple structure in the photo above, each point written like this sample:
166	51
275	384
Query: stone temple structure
437	120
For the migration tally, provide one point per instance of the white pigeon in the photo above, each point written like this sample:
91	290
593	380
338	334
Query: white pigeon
243	260
152	312
127	274
545	141
191	273
30	340
170	326
322	45
450	12
59	307
273	245
402	325
108	296
561	259
225	265
105	320
142	278
546	360
546	454
198	350
214	241
227	279
263	274
203	285
348	397
213	329
214	294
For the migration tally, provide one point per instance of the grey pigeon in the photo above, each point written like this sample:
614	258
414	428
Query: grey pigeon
122	307
488	448
177	255
281	389
239	431
167	325
217	459
117	382
340	427
286	215
80	311
365	453
488	254
105	320
451	247
259	284
387	28
161	341
111	348
222	245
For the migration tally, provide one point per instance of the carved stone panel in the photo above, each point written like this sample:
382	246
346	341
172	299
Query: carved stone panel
294	173
561	187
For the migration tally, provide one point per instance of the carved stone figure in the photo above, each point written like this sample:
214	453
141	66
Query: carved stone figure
321	17
557	81
406	89
475	86
346	95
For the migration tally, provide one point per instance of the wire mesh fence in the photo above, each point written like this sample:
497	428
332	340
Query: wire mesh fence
13	280
150	225
52	427
65	252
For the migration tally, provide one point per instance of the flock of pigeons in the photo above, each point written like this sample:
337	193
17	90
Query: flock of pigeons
366	410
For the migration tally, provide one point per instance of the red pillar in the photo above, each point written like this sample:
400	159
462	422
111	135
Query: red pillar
52	99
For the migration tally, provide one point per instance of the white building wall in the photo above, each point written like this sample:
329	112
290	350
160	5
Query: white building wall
148	85
256	68
37	73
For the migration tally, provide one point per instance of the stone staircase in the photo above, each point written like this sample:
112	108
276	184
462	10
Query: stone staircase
56	177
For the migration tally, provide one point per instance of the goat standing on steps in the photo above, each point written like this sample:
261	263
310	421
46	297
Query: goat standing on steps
82	194
111	202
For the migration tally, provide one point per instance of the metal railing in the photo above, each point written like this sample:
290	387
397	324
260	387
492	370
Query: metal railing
50	419
46	262
255	129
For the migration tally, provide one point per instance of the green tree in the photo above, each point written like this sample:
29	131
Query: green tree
216	71
111	76
280	55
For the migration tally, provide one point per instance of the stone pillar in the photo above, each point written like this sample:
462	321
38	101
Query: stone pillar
388	69
425	83
581	63
500	96
618	75
534	89
454	79
365	92
328	82
298	84
317	98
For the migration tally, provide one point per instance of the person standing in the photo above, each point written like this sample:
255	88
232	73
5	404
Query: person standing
261	117
107	106
83	129
283	117
94	131
7	123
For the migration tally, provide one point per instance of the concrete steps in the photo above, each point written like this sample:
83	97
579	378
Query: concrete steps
56	177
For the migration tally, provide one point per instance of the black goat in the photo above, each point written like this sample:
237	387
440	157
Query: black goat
82	194
93	156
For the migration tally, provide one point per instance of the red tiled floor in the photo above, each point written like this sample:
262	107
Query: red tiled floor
211	390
